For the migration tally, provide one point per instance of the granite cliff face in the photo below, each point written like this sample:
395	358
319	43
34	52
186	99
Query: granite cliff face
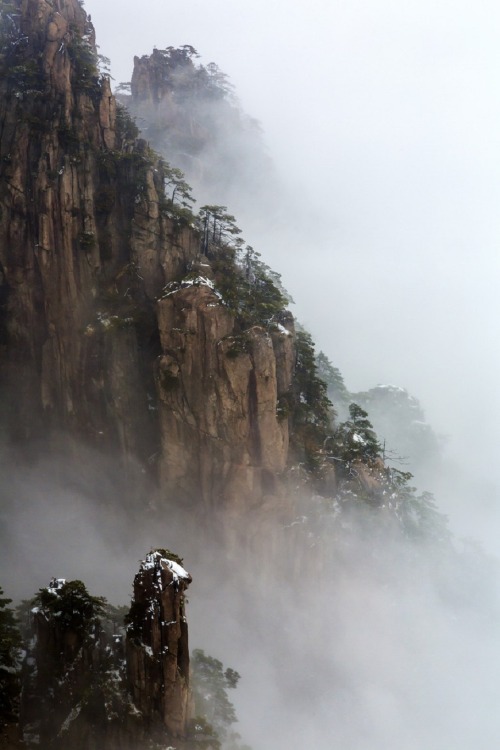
218	397
157	652
79	218
90	343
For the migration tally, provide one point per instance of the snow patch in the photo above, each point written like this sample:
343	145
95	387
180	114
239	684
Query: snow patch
175	287
282	329
156	560
73	714
358	439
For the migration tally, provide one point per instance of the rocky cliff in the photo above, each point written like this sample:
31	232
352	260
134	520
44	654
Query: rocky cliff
91	344
157	650
189	113
83	687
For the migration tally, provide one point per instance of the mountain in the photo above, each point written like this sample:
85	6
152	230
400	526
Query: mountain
153	381
95	339
190	114
88	682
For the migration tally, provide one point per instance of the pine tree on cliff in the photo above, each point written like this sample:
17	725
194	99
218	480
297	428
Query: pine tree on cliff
10	644
332	376
356	437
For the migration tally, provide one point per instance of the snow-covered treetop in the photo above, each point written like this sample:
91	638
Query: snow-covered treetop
56	584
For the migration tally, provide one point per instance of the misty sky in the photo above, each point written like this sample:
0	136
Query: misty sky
383	118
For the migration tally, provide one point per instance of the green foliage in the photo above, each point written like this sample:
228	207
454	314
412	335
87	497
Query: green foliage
218	85
104	65
133	171
308	404
197	114
218	230
85	63
115	616
312	405
81	669
355	438
238	345
23	614
134	619
210	684
127	167
399	417
175	67
108	162
25	77
176	200
263	292
178	189
22	73
418	514
250	288
74	607
332	376
10	645
127	131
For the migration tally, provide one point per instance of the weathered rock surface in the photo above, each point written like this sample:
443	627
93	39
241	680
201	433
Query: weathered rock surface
221	433
82	689
157	644
67	236
87	245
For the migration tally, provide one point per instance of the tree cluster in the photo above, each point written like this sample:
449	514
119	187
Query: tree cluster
215	713
10	658
249	287
74	607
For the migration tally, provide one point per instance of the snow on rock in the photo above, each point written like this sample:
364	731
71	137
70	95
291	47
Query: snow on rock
156	643
157	560
282	329
174	286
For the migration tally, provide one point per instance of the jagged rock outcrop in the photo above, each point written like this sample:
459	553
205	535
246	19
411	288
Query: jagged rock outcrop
88	243
83	689
157	644
189	113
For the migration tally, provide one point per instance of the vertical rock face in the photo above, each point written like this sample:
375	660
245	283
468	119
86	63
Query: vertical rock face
219	401
89	342
157	643
83	246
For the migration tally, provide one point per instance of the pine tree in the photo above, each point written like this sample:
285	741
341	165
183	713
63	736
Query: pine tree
74	607
337	391
356	437
210	685
10	645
